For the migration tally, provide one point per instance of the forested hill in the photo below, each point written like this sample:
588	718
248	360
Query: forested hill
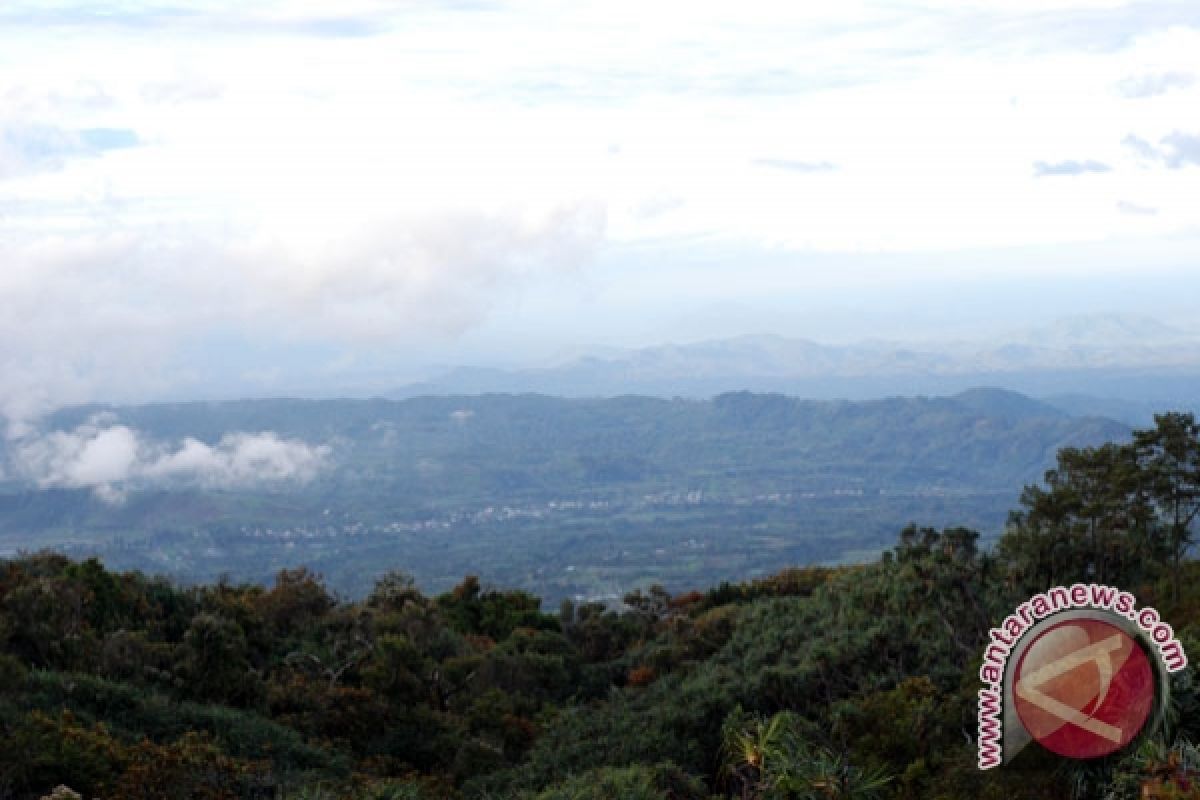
563	497
480	448
815	683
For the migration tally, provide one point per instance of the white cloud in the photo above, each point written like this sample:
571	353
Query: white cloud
88	457
111	459
239	459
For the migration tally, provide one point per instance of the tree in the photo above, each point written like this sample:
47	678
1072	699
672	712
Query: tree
1169	455
297	600
1092	521
396	671
213	664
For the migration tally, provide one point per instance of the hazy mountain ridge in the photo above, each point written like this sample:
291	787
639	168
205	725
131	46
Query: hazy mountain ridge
1126	357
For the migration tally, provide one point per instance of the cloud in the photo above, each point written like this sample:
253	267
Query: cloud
201	18
1180	149
658	206
183	89
330	27
795	166
121	317
100	139
1140	86
1134	209
1175	150
112	459
27	148
1141	147
440	274
239	460
92	455
1042	169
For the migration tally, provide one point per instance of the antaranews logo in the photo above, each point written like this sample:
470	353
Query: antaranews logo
1081	670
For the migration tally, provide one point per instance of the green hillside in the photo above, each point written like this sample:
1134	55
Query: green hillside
561	497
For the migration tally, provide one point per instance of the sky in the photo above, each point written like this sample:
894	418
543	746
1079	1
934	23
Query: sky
211	199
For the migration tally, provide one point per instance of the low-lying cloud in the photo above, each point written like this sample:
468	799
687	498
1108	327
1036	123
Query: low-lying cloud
111	458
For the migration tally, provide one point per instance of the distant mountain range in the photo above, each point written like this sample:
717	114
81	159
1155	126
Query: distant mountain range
1114	365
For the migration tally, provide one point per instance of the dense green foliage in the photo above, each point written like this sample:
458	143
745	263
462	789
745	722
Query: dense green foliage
577	498
851	682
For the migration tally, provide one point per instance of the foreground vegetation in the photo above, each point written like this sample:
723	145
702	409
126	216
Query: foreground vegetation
852	682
